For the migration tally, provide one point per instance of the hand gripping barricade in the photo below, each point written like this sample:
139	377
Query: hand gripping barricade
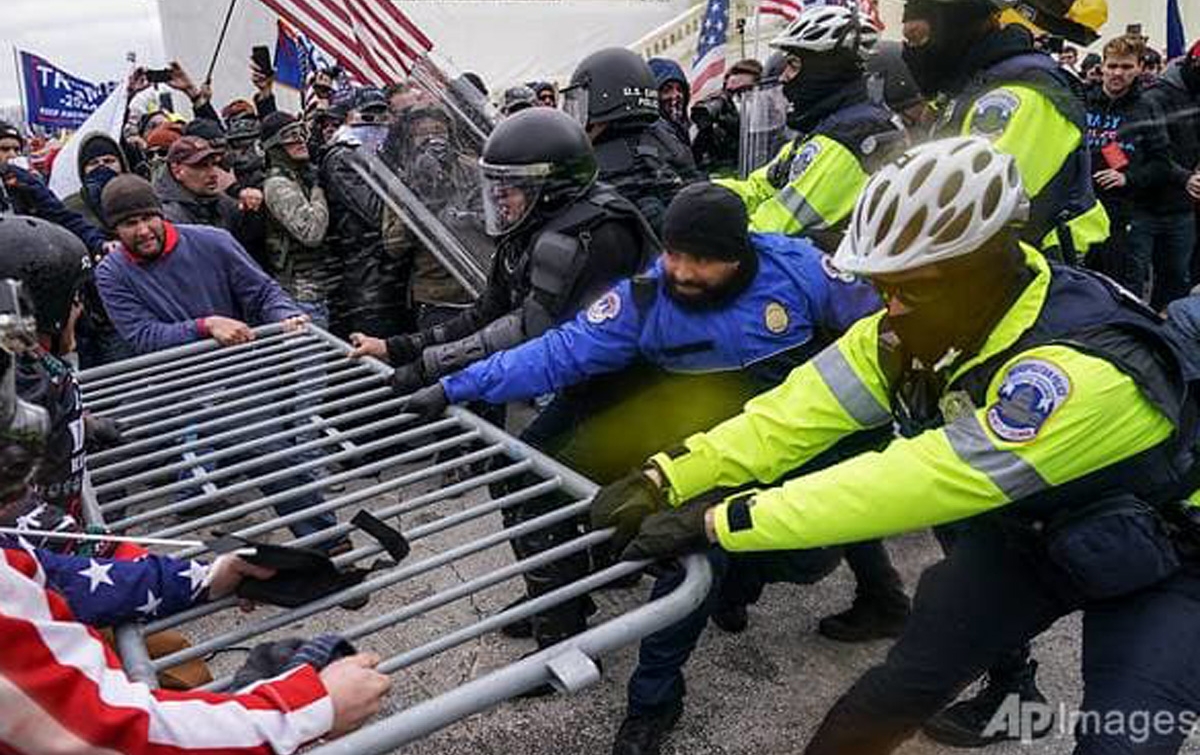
220	437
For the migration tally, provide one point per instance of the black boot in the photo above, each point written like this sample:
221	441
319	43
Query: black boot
869	618
964	723
644	734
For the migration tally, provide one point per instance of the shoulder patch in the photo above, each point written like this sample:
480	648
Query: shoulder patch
1030	393
993	111
804	158
605	308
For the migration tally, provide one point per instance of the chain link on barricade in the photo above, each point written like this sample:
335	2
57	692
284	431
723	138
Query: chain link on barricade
234	437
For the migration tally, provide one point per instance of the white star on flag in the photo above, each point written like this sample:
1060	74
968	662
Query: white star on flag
32	520
150	607
97	574
196	573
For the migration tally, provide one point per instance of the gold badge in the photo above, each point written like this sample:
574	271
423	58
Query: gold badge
776	317
955	405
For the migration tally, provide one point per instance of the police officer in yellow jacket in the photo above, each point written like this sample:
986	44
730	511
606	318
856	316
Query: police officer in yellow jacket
1040	409
986	79
810	187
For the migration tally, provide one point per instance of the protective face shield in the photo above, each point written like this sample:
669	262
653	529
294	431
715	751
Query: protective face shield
762	126
510	192
575	103
368	136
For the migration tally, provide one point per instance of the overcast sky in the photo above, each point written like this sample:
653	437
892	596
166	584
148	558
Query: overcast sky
87	38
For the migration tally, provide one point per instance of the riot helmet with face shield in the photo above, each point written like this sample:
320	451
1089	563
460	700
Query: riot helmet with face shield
535	163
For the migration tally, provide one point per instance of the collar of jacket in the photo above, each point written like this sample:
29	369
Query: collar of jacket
1019	318
991	49
170	241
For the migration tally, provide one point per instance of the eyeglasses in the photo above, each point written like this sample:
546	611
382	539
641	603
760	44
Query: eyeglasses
913	293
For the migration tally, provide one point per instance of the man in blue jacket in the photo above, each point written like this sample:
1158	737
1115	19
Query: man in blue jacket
722	315
169	285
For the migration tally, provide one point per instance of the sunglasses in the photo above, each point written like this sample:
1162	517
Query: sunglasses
913	294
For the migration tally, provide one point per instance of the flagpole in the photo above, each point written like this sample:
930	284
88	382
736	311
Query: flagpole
212	64
20	85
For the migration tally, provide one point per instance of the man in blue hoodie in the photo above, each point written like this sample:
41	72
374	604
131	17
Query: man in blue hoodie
674	96
170	285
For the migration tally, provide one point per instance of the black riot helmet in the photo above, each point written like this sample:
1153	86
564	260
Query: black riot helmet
50	262
614	84
536	161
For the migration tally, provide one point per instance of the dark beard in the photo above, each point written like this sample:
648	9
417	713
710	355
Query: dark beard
714	297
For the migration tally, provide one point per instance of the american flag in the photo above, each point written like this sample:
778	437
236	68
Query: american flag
710	50
61	681
371	39
788	10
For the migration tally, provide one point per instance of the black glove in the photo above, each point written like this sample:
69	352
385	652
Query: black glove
408	378
669	533
428	403
624	504
405	348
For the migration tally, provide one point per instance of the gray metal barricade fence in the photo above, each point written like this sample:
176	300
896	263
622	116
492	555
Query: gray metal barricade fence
205	429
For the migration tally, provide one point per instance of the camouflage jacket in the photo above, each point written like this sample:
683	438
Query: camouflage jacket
298	218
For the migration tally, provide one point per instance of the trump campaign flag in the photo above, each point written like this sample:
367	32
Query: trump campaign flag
54	98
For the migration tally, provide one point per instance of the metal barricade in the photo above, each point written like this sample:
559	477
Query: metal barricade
206	429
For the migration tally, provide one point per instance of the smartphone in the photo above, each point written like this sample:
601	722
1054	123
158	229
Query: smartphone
158	75
1114	156
1054	45
261	56
1133	29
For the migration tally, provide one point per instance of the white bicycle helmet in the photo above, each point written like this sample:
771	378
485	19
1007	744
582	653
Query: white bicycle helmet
938	201
825	28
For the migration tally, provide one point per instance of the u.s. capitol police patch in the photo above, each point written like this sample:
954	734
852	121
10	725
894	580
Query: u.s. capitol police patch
803	159
993	111
605	308
1030	392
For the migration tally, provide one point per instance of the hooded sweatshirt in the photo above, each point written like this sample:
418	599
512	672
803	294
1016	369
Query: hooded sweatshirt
666	70
1181	107
1132	122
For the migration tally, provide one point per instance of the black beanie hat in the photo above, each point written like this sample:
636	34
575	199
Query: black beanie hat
708	221
125	196
93	148
9	131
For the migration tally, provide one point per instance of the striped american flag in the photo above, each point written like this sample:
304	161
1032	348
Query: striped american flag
372	40
709	67
788	10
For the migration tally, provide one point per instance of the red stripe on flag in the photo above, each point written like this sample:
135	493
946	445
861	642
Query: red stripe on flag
417	35
709	72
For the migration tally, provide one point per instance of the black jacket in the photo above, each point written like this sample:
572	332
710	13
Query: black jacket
1180	106
220	211
1133	122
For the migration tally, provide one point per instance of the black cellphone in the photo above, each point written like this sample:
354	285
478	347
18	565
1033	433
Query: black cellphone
158	75
261	56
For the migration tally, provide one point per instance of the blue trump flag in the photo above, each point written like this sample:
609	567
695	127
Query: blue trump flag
291	58
1176	42
55	98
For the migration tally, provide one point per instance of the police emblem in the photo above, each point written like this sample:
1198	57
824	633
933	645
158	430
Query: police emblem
775	317
803	159
1029	394
605	308
993	111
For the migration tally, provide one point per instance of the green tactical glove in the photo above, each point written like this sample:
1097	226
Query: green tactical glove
670	533
624	504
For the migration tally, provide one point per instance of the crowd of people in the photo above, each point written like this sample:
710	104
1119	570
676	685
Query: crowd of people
866	288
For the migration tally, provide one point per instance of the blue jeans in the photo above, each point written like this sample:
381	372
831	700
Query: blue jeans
737	578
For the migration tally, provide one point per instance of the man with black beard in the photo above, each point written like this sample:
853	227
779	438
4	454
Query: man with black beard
989	81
